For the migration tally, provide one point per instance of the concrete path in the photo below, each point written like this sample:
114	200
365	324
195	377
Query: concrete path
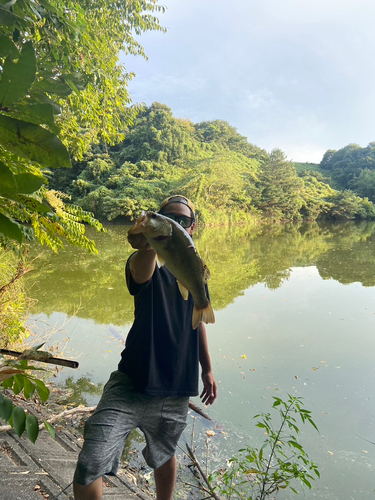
44	470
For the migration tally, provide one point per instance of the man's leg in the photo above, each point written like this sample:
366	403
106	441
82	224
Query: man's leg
165	479
105	435
93	491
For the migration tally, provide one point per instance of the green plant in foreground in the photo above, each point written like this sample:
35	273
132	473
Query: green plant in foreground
15	375
255	474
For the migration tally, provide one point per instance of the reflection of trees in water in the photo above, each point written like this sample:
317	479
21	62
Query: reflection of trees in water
76	390
355	263
274	281
94	283
135	440
238	257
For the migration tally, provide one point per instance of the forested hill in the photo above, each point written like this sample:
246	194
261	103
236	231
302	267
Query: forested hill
352	167
229	179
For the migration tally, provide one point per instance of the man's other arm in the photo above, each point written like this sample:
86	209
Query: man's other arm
209	392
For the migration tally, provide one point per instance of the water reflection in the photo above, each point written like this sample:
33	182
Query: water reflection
78	391
285	325
239	257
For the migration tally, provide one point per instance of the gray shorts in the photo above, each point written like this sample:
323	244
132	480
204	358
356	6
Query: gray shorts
120	410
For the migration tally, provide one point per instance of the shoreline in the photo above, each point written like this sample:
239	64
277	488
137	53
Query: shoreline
70	421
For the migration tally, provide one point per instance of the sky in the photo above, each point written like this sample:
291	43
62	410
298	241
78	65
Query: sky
298	75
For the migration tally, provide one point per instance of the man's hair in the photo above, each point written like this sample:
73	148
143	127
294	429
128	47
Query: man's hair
177	199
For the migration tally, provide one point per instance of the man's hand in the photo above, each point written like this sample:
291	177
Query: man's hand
209	393
138	241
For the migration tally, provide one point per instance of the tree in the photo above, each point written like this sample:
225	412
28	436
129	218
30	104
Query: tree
346	205
61	90
280	188
60	77
157	136
325	164
351	168
220	132
230	179
160	155
316	195
364	184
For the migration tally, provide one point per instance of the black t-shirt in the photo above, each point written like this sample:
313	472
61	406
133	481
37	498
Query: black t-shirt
162	351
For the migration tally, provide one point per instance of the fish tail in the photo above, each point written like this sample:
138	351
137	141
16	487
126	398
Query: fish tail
206	315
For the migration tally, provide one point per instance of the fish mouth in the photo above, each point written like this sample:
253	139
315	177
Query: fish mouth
139	225
138	228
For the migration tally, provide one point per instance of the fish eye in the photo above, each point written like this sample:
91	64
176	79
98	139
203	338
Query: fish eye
153	216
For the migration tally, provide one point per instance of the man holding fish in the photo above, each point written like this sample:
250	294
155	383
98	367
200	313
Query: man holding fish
158	371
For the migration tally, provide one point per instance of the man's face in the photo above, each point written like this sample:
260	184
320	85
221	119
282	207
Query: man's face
180	210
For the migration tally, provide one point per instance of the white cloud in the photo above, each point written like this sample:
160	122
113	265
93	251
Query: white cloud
293	74
260	99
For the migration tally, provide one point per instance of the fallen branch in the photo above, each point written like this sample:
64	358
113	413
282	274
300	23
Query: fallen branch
198	410
200	487
197	465
68	413
51	420
89	409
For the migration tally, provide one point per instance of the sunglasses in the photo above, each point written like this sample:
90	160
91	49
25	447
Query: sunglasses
183	220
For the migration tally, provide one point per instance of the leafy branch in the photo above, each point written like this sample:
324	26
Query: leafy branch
16	376
254	476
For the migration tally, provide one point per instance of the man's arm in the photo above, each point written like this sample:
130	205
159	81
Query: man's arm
142	264
209	392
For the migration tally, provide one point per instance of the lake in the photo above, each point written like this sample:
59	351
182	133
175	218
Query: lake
295	314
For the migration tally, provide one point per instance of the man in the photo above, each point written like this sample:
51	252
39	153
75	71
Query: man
156	375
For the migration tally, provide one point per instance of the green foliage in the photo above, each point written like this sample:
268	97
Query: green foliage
352	167
364	184
16	376
60	76
219	132
13	299
346	205
157	136
306	167
280	189
317	196
162	155
76	50
222	186
257	473
77	389
229	179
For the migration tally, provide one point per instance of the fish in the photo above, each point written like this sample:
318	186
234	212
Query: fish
175	249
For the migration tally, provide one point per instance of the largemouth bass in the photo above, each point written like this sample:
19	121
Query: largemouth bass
175	249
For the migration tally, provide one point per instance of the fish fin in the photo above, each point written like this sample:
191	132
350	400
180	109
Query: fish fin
206	315
159	260
184	291
206	273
